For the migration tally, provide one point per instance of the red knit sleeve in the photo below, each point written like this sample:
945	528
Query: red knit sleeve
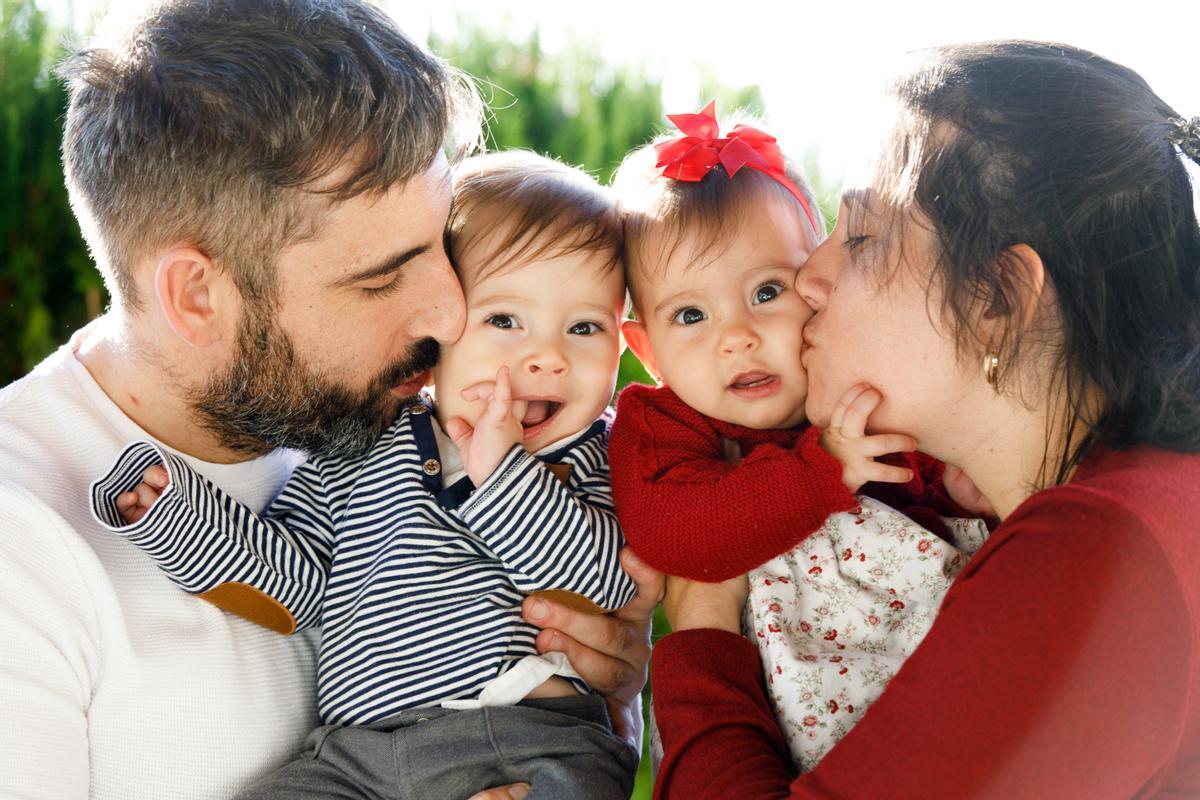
1059	666
687	512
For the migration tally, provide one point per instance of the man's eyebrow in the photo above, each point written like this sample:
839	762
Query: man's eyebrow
388	265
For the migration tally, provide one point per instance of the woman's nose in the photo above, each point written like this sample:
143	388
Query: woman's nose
814	280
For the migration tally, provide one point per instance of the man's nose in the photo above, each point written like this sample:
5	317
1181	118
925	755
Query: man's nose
442	310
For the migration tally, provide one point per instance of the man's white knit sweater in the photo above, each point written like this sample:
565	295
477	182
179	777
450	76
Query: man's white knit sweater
114	683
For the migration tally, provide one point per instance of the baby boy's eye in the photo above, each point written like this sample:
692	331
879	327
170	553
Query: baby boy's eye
767	292
503	321
688	316
584	329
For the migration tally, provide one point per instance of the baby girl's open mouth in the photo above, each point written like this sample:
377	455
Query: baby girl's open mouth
539	414
754	384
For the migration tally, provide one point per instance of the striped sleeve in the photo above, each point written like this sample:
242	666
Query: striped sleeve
202	538
550	535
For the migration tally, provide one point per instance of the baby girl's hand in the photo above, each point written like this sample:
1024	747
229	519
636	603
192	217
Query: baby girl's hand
846	439
134	505
497	430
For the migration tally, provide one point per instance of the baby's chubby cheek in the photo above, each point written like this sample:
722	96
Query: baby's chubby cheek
449	380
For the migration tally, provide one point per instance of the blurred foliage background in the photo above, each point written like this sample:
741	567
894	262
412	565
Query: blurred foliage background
569	104
48	286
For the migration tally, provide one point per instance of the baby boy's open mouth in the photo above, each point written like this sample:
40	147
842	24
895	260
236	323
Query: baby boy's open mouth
539	414
754	384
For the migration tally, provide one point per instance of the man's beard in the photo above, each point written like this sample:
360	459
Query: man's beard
269	397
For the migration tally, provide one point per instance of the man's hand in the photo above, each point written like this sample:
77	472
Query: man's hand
611	652
846	439
484	446
134	505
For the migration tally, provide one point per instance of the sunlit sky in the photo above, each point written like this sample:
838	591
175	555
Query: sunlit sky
819	64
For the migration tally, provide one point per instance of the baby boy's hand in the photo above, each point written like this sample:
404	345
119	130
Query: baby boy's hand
846	439
496	431
134	505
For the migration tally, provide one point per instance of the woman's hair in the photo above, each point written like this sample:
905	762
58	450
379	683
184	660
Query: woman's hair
707	213
529	206
1014	142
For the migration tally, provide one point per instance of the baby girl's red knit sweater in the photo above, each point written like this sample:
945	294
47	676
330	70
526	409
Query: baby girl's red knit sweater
687	511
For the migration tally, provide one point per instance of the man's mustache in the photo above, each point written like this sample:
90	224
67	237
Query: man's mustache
422	356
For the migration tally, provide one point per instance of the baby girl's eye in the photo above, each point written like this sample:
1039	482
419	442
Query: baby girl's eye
584	329
688	316
503	321
767	292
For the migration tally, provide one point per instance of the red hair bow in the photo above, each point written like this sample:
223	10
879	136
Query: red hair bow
690	157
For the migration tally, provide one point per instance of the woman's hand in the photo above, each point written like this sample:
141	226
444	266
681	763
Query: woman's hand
692	604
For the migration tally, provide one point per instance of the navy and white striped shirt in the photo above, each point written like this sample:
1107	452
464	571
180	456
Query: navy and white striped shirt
417	586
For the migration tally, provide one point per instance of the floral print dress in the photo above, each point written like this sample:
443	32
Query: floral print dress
836	616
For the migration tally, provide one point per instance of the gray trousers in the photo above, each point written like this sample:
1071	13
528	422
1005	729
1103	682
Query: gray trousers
563	746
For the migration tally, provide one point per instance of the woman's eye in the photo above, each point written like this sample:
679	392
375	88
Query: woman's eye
503	321
584	329
767	292
688	316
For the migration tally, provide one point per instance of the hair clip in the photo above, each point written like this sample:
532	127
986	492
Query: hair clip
1185	134
692	156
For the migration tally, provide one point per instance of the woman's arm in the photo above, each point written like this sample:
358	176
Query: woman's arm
1058	667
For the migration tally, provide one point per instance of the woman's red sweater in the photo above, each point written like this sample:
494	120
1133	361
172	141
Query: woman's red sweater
1063	664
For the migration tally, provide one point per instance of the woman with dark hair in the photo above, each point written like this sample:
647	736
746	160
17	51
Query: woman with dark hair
1021	282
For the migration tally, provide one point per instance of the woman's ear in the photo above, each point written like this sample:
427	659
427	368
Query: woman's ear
1024	284
634	331
190	291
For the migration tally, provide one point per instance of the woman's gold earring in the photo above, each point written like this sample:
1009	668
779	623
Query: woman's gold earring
991	367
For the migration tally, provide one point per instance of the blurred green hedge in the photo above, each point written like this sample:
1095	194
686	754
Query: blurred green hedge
48	287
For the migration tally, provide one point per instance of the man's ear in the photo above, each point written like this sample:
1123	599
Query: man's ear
634	331
191	291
